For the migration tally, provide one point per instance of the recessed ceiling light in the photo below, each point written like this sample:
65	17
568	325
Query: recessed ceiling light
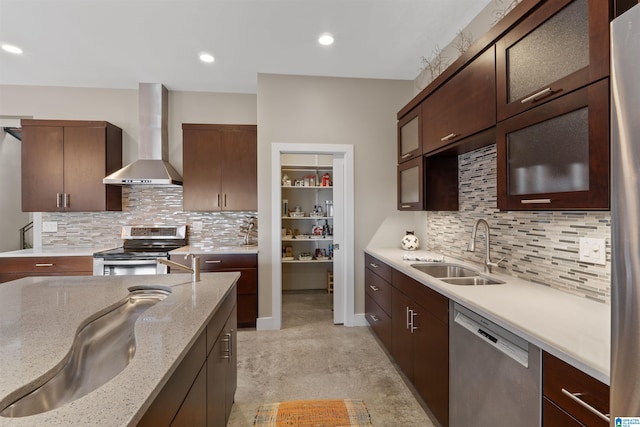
206	57
325	39
12	49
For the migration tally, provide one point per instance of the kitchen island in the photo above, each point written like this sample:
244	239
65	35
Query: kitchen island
39	317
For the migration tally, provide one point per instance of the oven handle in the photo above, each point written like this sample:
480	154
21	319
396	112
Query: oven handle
130	262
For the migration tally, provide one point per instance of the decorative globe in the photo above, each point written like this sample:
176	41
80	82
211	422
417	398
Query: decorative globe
410	242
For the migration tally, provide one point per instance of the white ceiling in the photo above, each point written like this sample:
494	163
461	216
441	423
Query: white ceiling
119	43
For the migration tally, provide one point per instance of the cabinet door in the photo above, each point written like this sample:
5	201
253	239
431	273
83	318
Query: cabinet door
431	363
410	135
217	365
562	46
401	334
202	159
232	367
411	185
441	182
193	412
556	156
239	171
463	106
85	161
553	416
42	172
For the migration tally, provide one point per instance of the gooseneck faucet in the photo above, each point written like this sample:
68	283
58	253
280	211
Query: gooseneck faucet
195	266
472	245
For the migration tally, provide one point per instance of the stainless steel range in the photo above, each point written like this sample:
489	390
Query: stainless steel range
141	247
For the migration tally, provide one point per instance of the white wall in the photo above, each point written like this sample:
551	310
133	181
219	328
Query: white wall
323	110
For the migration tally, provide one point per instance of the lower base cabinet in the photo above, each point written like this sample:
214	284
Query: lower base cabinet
201	390
12	268
412	322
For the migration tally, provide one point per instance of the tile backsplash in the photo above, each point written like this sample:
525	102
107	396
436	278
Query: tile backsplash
539	246
145	205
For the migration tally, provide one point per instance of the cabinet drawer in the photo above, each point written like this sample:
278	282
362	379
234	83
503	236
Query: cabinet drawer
47	265
379	320
553	416
378	267
564	385
432	301
217	262
378	289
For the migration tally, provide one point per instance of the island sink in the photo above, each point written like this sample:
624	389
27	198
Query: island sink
101	350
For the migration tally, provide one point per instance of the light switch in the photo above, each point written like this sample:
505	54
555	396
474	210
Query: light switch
593	251
49	226
196	225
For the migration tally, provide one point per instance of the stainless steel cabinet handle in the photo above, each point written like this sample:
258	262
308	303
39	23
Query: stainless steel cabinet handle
218	200
58	200
44	265
537	96
404	156
374	265
374	288
406	206
225	200
449	137
66	203
412	320
227	351
212	261
374	318
576	398
534	201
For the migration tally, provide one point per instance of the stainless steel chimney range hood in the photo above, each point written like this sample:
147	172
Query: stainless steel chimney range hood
152	167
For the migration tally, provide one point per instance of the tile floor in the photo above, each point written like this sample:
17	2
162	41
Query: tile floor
311	358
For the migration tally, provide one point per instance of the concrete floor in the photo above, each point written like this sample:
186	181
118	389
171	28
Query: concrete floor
311	358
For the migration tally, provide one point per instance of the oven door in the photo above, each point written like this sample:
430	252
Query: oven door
130	267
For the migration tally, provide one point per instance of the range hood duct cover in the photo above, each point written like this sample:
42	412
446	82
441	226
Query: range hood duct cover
152	167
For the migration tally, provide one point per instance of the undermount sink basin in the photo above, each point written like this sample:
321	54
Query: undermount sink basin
101	350
472	281
440	270
455	274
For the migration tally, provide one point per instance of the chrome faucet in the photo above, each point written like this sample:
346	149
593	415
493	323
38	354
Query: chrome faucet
472	245
195	266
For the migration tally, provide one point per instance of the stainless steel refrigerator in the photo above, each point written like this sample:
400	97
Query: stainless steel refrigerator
625	215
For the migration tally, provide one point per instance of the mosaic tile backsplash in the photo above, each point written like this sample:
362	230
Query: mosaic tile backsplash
538	246
145	205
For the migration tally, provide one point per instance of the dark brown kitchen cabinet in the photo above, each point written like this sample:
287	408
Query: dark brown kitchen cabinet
12	268
410	135
219	167
461	107
247	286
562	46
201	390
64	162
411	185
556	156
571	397
420	340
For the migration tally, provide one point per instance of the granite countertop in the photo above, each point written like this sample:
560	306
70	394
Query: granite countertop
55	251
39	317
574	329
230	250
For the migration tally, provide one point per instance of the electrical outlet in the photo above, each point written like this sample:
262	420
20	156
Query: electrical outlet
49	226
593	251
196	225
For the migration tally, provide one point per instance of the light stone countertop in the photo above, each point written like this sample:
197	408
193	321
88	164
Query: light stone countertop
39	317
574	329
55	251
220	250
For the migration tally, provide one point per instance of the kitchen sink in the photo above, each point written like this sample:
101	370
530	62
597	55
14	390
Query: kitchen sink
440	270
100	351
472	281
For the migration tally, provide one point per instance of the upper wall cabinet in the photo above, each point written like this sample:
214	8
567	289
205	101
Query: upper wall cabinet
64	162
410	135
463	106
220	165
560	47
556	156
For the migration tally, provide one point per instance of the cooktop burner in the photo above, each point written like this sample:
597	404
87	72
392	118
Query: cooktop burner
147	242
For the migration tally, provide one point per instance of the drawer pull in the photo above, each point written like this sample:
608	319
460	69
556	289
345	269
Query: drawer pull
374	288
373	265
45	265
537	96
449	137
212	261
576	398
374	318
404	156
534	201
406	206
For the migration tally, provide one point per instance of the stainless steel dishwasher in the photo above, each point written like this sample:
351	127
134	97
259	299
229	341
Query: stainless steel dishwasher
494	375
